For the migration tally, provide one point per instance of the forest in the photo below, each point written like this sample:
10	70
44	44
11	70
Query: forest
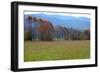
39	29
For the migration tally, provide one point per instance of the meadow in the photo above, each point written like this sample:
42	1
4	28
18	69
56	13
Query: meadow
56	50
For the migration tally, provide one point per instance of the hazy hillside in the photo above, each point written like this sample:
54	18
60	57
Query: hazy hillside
67	21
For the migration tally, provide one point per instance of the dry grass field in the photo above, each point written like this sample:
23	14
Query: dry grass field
56	50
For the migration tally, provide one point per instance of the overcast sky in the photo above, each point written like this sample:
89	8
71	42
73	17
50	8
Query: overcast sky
65	14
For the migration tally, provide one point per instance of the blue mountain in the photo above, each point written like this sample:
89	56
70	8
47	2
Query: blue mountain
80	23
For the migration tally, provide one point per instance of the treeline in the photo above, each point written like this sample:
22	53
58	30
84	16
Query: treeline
40	29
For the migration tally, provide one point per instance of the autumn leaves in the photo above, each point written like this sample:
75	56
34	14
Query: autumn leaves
44	30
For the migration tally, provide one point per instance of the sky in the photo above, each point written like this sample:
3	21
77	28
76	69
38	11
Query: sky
60	13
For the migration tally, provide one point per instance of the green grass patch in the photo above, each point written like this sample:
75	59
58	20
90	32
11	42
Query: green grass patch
56	50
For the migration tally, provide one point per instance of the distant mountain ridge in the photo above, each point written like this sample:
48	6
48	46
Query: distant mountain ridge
80	23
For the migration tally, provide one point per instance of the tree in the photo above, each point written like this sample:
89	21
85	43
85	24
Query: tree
29	33
46	31
85	35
